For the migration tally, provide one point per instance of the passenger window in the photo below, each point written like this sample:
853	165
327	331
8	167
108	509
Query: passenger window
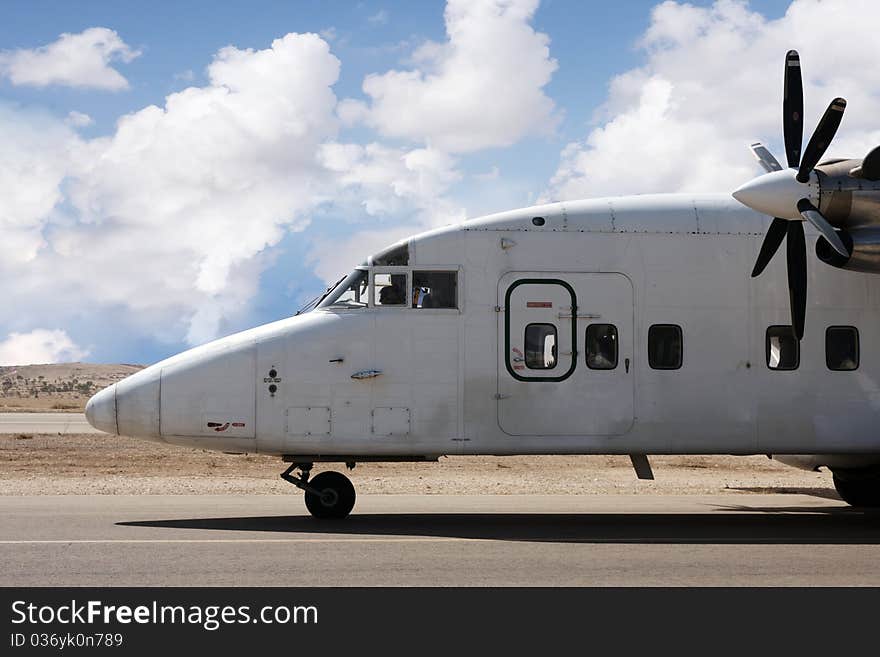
435	289
601	344
665	347
540	346
842	348
783	349
389	289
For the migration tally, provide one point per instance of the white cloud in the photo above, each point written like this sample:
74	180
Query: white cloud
78	119
75	60
165	226
166	219
384	179
39	346
712	84
385	183
34	159
192	192
481	88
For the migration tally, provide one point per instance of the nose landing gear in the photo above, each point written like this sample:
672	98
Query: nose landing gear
328	494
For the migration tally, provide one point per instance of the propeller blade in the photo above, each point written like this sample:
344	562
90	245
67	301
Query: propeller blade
822	136
772	240
811	213
796	252
765	157
793	109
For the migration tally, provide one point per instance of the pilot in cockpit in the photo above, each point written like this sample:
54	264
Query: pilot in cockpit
393	294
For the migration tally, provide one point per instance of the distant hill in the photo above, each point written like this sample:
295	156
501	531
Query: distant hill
56	386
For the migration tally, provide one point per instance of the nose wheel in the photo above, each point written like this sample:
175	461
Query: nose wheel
335	499
328	494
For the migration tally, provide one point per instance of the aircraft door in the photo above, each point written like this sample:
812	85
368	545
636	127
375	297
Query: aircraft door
565	354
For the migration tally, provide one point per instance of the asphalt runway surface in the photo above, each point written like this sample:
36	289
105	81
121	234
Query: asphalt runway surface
438	540
45	423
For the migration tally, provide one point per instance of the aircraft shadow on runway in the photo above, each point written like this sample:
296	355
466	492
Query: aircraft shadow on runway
728	525
813	491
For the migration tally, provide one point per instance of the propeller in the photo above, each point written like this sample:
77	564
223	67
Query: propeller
791	195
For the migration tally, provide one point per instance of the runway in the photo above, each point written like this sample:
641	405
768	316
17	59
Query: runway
438	541
45	423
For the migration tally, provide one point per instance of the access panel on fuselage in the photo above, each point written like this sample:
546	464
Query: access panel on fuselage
210	394
546	383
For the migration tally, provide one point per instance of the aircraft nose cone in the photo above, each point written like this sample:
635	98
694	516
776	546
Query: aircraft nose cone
777	193
101	410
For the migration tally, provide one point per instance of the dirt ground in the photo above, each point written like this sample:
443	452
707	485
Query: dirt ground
110	465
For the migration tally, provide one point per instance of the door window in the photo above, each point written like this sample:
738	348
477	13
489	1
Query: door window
540	342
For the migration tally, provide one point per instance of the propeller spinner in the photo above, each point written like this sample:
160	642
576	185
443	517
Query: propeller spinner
791	195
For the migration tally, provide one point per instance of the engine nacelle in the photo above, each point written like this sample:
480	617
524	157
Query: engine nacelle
863	245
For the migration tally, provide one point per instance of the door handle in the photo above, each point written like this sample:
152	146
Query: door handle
579	316
626	364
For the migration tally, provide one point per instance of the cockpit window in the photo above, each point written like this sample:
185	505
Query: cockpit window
396	256
435	289
389	289
351	292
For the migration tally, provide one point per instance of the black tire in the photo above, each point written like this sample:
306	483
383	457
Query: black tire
858	491
337	499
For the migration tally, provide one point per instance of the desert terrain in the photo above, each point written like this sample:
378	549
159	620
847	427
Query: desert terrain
109	465
63	387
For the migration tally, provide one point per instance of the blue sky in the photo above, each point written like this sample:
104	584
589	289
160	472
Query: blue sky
592	41
592	74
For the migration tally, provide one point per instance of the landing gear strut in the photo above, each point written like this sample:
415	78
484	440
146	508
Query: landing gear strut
858	487
328	494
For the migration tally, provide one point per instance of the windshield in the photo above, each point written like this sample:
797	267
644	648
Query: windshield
313	303
350	292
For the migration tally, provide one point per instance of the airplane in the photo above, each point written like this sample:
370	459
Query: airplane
605	326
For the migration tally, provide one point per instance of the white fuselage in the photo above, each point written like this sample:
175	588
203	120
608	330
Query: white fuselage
453	381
